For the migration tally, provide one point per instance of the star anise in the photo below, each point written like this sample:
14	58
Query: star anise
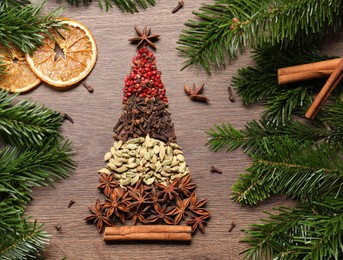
198	222
186	186
140	215
194	93
107	183
115	206
155	196
162	213
180	210
140	197
98	216
196	205
170	190
144	37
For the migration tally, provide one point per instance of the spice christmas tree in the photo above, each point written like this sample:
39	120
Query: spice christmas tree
146	179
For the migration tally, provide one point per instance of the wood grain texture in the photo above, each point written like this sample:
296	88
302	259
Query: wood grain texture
95	115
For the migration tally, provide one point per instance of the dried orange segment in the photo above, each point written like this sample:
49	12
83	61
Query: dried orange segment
67	57
17	77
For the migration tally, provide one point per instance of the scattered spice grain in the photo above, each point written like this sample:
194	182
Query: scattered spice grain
67	117
180	4
231	96
87	86
58	227
233	225
214	169
71	203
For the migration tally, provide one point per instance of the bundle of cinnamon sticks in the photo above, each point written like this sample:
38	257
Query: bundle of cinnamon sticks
329	68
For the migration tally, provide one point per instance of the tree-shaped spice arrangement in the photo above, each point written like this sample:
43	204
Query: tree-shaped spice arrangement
146	179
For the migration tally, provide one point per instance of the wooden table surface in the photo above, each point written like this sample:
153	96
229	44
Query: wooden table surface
95	115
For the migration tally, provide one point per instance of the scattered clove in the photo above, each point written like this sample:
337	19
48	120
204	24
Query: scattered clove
58	227
71	202
67	117
180	4
233	225
215	170
87	86
231	96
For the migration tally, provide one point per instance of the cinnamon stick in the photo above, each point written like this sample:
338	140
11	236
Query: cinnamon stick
325	92
148	232
308	71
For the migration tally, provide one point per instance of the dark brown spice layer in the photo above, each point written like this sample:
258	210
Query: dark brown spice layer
143	116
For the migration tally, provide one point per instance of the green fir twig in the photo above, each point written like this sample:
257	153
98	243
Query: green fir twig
285	166
26	242
35	154
13	3
226	27
23	26
26	122
309	231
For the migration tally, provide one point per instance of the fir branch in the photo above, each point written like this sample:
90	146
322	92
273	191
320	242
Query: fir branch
298	169
10	215
24	243
23	27
23	168
124	5
12	3
309	231
25	164
26	123
228	26
332	113
226	138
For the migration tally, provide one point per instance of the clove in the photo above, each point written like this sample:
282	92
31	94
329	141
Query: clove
215	170
87	86
231	96
67	117
180	4
233	225
58	227
71	202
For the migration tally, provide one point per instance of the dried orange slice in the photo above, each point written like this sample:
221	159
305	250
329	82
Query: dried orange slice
17	77
77	58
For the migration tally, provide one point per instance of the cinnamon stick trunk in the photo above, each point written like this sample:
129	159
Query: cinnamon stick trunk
148	233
